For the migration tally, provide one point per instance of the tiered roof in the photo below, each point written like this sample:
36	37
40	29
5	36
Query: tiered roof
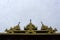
31	28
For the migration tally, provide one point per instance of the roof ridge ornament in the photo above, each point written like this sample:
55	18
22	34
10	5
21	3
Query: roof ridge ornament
30	21
18	23
42	23
30	28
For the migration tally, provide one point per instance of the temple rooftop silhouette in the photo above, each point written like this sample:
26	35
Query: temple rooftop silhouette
30	32
31	29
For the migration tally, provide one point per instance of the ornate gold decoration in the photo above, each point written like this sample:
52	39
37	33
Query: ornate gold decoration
31	29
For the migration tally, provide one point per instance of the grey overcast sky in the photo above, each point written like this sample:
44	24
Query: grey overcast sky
13	11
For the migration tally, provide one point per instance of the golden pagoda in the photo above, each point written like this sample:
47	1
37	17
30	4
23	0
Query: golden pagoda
31	29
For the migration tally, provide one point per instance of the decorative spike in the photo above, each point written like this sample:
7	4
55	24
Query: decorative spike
41	22
55	29
30	20
5	29
18	23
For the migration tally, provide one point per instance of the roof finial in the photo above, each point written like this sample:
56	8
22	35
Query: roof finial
30	20
18	23
42	23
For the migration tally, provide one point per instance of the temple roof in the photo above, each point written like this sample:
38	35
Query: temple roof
31	28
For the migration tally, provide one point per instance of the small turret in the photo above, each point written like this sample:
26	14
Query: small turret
50	28
6	30
30	26
55	30
44	27
17	27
